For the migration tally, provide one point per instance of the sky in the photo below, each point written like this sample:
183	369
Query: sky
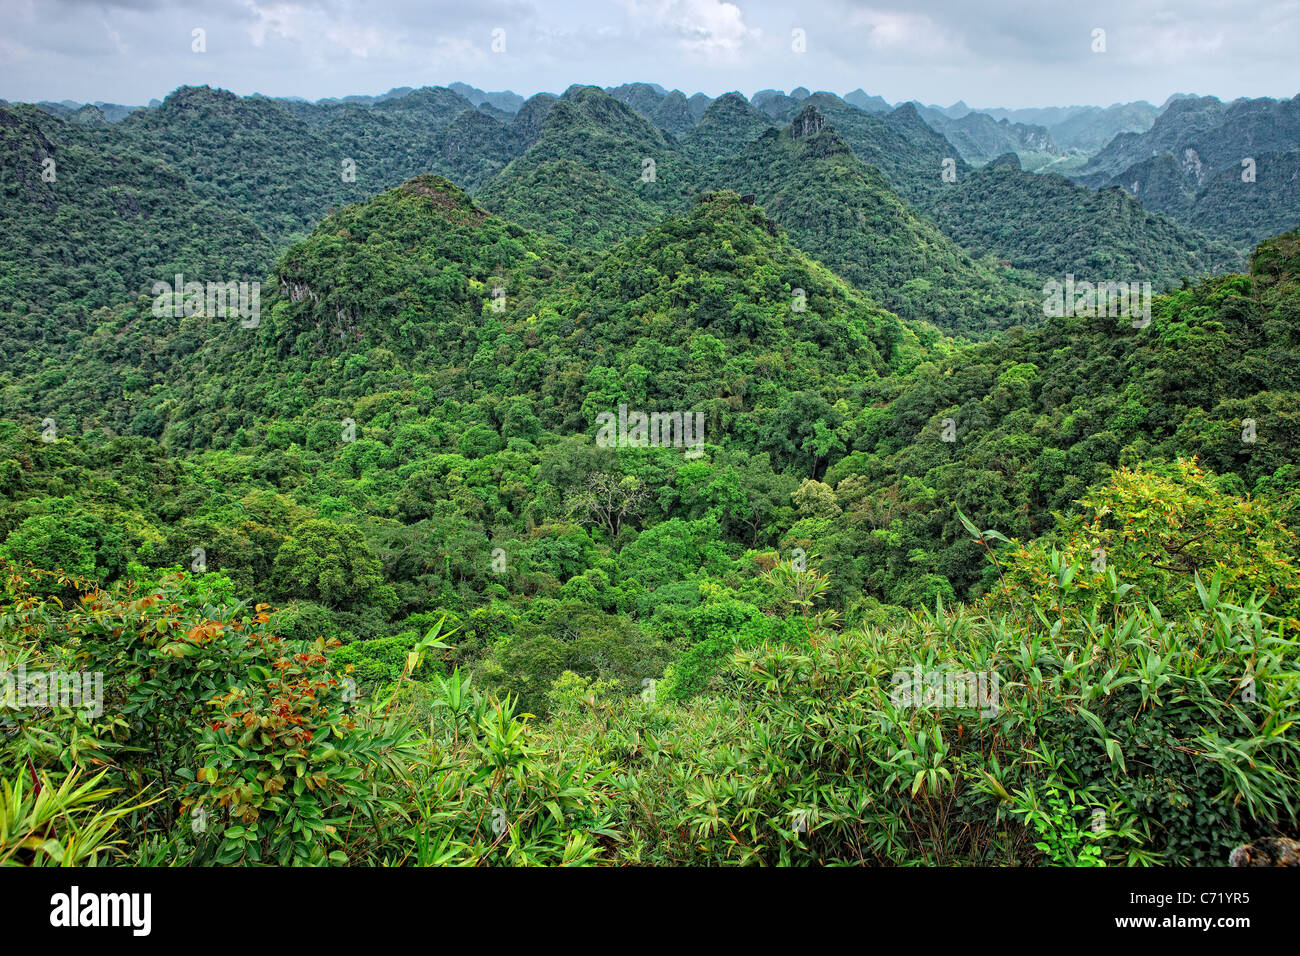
1008	53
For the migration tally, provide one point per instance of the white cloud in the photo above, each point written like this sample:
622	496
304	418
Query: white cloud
999	52
711	30
912	33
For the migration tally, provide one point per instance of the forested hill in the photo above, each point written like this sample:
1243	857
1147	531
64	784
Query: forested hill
90	222
597	172
1051	226
1231	170
728	125
389	317
412	275
584	167
843	212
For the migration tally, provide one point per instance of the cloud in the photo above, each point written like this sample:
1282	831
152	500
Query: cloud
997	52
710	31
887	31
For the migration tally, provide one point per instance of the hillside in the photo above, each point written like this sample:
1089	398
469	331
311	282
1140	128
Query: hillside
980	138
385	318
728	125
233	149
844	213
89	224
597	172
1032	221
591	171
1226	169
670	111
899	143
1092	128
1040	415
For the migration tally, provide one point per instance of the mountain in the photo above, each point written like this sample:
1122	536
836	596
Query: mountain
1226	169
1040	414
1243	212
980	138
355	99
872	104
579	182
1083	128
1048	116
429	129
107	112
473	148
670	111
232	149
532	114
899	143
642	97
597	172
505	100
385	317
728	125
580	167
226	159
775	104
1091	128
1056	139
89	222
674	115
621	495
844	213
954	112
406	273
698	104
1180	121
394	296
1033	222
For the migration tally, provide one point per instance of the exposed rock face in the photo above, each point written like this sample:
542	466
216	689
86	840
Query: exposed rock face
1192	165
33	149
809	122
296	291
1267	851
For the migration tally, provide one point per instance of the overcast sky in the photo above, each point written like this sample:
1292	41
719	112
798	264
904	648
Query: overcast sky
988	53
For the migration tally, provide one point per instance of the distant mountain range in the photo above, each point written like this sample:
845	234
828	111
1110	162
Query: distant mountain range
1232	169
891	198
1035	134
895	205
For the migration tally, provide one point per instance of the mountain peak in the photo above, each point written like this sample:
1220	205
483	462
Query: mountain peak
195	97
814	132
728	204
583	104
863	101
448	199
809	122
907	111
583	92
